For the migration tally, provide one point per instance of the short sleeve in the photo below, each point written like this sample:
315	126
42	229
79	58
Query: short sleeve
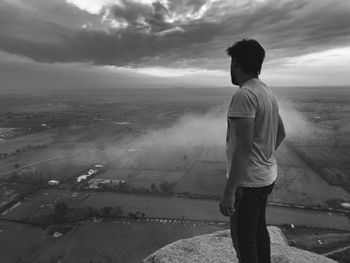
243	104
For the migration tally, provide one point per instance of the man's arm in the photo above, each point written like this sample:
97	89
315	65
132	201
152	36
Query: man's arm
242	129
281	133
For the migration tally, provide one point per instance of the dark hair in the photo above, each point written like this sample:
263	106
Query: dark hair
249	54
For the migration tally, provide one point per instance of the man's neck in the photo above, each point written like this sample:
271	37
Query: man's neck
244	78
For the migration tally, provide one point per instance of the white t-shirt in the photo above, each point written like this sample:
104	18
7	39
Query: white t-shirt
255	100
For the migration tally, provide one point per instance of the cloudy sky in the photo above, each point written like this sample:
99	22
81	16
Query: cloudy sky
145	43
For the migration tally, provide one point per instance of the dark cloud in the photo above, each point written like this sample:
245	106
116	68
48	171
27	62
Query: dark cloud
142	17
172	34
18	74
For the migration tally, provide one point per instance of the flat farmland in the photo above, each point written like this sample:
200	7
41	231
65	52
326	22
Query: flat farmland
286	157
102	199
117	173
170	176
41	138
203	177
302	186
297	183
208	210
160	158
25	159
98	134
43	201
158	206
121	240
10	190
26	209
327	156
127	241
71	150
56	166
331	162
180	208
145	178
326	113
339	176
19	242
29	103
293	186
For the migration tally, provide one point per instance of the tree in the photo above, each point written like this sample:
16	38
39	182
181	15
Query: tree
61	209
153	188
118	211
106	211
133	215
167	187
14	177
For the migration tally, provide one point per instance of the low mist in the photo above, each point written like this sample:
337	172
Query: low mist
191	130
201	137
192	136
296	124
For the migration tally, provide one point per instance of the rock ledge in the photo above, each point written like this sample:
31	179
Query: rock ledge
217	248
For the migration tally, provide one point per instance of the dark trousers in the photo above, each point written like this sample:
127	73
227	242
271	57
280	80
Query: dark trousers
248	225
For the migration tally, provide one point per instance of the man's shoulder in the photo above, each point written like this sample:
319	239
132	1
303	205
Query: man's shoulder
247	92
257	88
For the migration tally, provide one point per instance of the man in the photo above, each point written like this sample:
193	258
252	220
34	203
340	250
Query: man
255	130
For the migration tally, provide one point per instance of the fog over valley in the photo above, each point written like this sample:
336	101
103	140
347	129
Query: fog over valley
113	121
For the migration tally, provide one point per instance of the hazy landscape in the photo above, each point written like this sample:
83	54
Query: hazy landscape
113	175
113	123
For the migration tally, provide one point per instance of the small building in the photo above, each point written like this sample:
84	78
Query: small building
346	205
53	182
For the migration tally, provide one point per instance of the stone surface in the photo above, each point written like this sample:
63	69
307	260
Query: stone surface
217	248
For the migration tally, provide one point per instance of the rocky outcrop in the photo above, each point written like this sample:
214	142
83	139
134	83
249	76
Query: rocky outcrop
217	248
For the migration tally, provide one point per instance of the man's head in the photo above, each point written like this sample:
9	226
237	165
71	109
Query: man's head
247	57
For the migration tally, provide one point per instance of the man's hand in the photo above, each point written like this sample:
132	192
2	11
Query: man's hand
227	204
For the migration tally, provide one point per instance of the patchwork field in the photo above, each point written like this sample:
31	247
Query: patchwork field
114	241
158	207
204	178
106	241
170	208
43	202
40	138
326	156
146	138
145	178
297	183
19	242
